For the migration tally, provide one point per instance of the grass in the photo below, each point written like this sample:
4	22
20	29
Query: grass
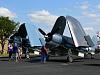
4	55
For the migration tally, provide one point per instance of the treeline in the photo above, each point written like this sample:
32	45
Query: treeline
7	27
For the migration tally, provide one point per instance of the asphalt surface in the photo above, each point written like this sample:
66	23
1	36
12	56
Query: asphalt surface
55	66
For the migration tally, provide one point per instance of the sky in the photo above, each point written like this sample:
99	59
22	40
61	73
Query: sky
43	13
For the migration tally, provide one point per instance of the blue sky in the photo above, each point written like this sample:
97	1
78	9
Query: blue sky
43	13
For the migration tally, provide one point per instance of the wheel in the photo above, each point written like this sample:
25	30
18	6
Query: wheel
70	59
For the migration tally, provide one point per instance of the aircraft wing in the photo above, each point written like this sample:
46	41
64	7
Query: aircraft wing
33	35
68	41
59	25
77	33
22	32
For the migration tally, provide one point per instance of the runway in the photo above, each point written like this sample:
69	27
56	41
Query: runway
55	66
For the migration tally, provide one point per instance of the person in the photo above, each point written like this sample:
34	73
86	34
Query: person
15	51
10	49
43	54
26	51
20	53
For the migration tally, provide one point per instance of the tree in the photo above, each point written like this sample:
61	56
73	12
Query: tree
6	29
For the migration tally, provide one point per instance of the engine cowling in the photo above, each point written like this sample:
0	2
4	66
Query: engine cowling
57	38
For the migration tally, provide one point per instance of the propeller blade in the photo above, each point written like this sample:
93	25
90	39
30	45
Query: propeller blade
42	32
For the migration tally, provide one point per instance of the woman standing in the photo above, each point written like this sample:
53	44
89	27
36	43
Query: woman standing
43	54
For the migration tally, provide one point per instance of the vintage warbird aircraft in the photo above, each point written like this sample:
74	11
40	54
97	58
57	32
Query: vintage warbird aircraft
24	36
57	42
20	37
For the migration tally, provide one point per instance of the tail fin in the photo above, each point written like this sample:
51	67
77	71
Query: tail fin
59	25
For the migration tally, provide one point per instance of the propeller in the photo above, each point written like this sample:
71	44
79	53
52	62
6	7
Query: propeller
48	37
42	32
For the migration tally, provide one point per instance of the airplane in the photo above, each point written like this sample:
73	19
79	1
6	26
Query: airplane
20	37
25	39
57	42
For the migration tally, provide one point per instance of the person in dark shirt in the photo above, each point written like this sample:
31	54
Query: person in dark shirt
15	51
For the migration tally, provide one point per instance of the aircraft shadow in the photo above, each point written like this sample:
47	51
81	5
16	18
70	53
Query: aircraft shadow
98	65
36	60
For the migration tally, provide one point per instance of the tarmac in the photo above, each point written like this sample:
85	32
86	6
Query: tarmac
55	66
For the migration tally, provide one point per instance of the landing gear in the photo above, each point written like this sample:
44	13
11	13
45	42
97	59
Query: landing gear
89	56
69	57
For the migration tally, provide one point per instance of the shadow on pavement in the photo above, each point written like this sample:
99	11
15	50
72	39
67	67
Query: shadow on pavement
98	65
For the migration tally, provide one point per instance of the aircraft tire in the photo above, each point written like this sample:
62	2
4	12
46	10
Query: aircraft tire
70	59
